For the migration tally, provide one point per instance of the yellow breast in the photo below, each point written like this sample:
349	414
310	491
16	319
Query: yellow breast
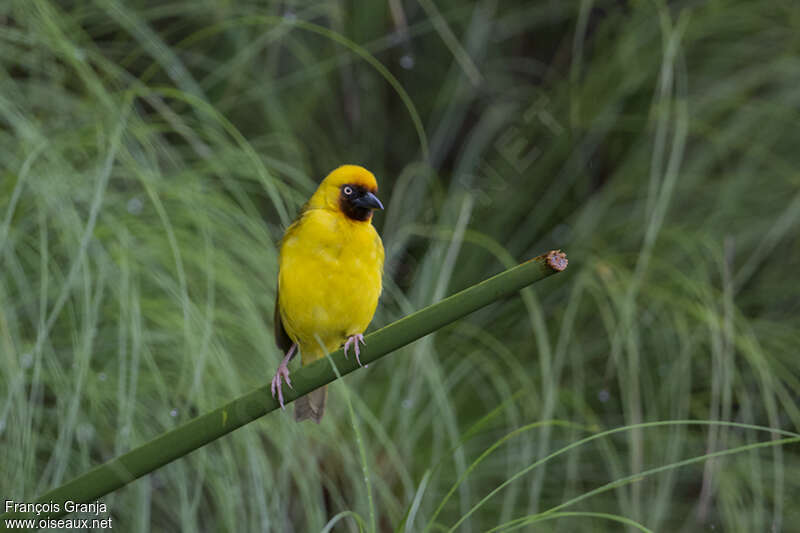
329	280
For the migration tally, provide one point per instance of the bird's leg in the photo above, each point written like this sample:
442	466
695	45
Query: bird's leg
354	340
283	372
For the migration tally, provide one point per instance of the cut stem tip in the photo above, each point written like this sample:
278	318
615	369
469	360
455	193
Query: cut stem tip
556	259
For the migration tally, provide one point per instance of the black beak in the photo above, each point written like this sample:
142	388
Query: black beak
367	201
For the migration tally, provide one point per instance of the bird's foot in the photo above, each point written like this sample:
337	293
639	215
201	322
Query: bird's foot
282	374
354	340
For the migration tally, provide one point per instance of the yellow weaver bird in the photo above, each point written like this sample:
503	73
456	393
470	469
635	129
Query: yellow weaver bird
329	278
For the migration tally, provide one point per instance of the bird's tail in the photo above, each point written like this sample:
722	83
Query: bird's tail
312	405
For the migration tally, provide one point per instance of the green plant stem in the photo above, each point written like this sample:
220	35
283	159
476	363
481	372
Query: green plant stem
208	427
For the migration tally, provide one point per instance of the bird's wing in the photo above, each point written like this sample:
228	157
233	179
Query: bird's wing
282	338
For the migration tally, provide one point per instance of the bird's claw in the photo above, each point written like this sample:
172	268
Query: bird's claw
354	340
281	373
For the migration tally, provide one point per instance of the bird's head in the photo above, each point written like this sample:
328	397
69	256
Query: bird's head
350	190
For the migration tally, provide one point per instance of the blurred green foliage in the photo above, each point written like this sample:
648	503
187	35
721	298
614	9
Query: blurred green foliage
153	153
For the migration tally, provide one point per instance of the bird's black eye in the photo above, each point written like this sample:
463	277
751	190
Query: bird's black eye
347	190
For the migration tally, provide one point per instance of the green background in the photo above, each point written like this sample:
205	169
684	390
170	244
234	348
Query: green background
152	153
